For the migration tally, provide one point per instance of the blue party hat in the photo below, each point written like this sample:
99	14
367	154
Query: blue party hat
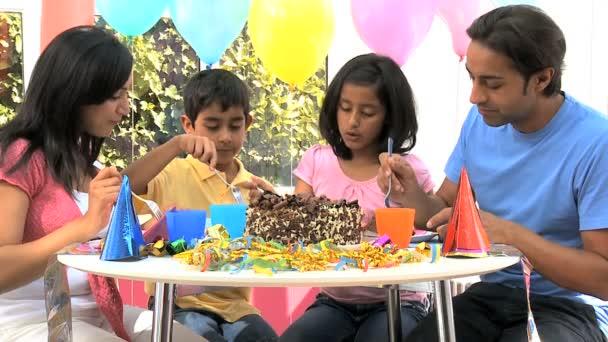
124	233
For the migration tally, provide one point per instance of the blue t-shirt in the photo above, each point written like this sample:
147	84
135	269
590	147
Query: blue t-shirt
553	181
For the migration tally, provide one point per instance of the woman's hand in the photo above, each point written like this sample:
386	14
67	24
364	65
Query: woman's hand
103	192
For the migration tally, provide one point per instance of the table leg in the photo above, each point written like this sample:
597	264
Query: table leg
444	311
393	303
162	322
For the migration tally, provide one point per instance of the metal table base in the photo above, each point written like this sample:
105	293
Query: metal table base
162	319
444	311
162	326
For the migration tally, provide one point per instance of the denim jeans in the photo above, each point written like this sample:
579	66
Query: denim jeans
250	328
332	321
493	312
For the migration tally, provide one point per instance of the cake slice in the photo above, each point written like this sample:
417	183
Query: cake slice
293	218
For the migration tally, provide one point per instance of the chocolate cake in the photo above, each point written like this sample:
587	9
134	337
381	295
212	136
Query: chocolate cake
304	218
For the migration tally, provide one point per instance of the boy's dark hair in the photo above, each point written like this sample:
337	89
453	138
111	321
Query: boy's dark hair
393	92
82	66
211	86
527	36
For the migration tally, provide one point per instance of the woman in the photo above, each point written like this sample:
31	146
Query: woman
51	195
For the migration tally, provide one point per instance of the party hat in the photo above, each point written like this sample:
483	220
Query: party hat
465	236
124	233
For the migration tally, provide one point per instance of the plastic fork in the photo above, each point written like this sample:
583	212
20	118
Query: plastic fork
236	193
388	191
153	206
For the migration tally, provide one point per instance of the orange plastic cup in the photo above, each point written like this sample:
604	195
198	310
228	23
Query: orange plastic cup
397	223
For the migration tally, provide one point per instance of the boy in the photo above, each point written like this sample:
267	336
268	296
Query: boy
216	119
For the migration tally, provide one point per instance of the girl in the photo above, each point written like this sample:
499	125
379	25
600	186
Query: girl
50	194
368	101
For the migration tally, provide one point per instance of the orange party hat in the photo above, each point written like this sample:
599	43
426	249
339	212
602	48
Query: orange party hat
465	236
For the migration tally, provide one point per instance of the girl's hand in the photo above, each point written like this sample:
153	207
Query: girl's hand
103	192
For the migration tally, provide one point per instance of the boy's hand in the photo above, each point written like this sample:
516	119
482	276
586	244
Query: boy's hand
201	148
256	188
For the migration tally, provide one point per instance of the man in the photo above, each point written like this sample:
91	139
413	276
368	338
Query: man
537	160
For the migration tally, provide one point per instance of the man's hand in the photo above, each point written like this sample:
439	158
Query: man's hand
403	178
497	229
439	222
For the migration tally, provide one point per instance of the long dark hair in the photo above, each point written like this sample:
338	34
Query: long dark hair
393	91
81	66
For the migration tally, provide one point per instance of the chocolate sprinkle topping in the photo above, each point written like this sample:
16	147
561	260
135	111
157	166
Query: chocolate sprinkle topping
305	218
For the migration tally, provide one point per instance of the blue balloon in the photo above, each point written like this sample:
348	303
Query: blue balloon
209	26
500	3
131	17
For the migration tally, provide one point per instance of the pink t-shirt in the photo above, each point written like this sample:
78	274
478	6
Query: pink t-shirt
320	169
50	208
50	205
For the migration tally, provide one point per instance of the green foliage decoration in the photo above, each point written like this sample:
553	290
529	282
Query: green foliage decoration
285	119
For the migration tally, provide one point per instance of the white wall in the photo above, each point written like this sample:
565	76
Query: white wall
441	84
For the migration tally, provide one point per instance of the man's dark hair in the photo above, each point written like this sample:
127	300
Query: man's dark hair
527	36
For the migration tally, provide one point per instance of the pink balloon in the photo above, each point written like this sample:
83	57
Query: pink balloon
458	15
393	28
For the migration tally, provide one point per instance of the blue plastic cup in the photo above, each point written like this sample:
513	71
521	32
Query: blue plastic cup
231	216
186	224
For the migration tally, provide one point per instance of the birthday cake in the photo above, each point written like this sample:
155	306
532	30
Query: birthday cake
293	218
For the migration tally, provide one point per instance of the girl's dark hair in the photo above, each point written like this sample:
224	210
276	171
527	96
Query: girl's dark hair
527	36
394	93
211	86
82	66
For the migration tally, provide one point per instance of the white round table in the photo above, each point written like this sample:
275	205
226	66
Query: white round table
167	272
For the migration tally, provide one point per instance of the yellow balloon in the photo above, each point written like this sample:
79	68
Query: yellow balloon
291	37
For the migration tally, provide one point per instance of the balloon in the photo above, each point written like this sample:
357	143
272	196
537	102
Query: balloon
393	27
500	3
209	26
291	37
131	17
458	15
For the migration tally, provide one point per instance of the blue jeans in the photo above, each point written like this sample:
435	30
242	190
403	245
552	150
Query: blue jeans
214	328
332	321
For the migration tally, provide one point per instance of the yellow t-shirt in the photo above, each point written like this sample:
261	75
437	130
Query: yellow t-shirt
190	184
